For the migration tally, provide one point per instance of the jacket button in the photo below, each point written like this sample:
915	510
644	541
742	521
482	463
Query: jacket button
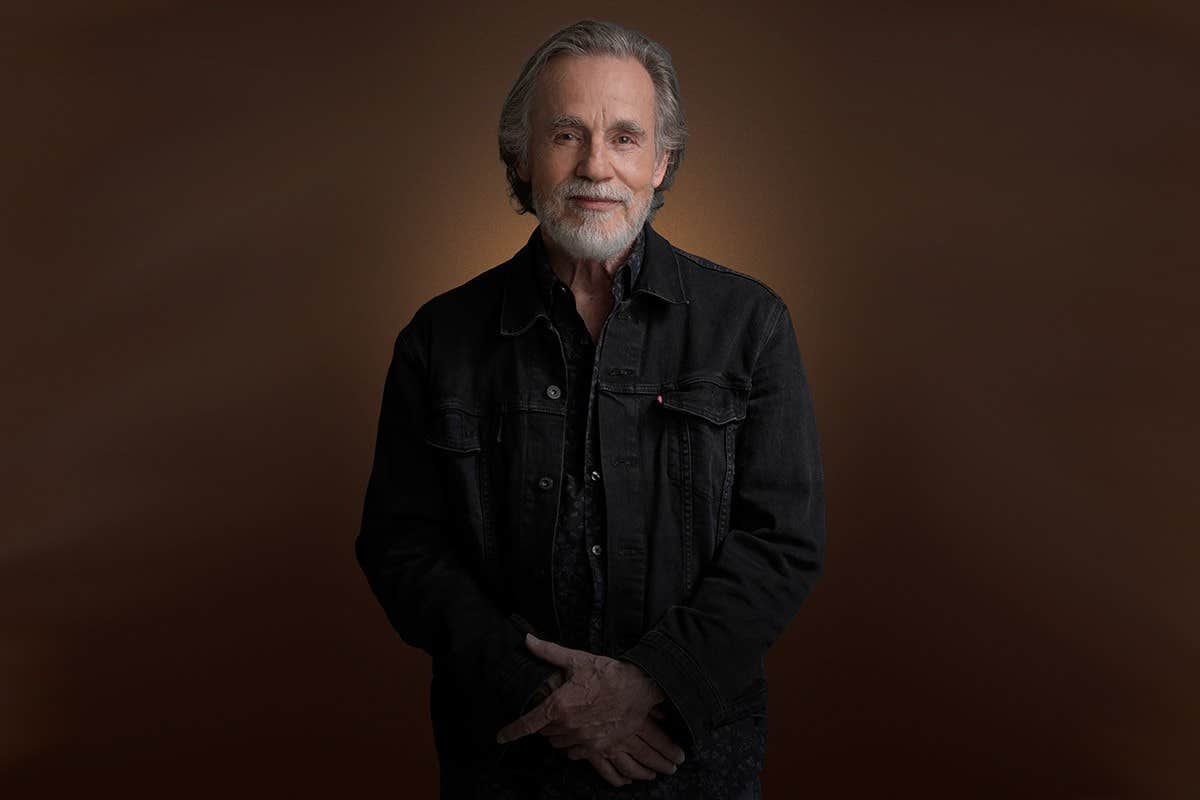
553	392
595	549
545	482
595	476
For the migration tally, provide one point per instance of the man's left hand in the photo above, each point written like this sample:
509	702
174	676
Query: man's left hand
601	702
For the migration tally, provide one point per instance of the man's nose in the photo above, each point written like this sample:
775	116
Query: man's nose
594	163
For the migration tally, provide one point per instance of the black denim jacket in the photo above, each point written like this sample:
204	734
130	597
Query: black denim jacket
714	487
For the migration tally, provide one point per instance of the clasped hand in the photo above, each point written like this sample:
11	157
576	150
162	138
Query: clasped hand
601	709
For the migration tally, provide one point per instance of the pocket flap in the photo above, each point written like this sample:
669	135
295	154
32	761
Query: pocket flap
454	429
715	403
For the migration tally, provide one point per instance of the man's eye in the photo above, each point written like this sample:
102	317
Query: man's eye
623	139
566	134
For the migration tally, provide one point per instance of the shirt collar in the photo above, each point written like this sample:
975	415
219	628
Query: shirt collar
659	275
624	280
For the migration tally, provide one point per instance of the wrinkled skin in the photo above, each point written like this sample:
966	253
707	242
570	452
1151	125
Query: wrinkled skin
602	710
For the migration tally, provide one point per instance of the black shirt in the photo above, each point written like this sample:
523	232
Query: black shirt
579	545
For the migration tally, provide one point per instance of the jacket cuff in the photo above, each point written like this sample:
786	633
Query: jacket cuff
693	695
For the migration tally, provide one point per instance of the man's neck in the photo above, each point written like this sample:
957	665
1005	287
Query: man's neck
584	275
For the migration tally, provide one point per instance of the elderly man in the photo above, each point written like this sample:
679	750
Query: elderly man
596	499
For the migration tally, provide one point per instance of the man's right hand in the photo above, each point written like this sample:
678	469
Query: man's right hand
645	755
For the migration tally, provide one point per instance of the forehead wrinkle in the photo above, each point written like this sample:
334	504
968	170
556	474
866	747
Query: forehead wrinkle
559	89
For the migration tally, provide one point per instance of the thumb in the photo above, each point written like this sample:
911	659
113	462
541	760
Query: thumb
549	651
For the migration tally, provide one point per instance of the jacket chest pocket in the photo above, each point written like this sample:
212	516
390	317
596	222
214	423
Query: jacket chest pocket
462	455
702	421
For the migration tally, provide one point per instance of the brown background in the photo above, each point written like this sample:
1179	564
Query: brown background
215	222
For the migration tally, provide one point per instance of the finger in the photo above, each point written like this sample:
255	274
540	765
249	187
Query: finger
567	729
562	740
556	729
656	738
541	716
607	771
561	728
629	767
638	748
554	653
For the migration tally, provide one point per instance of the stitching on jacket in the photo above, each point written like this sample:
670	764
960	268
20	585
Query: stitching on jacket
483	479
688	663
779	311
700	261
727	486
685	468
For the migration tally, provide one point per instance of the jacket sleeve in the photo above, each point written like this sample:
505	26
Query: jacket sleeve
704	653
405	546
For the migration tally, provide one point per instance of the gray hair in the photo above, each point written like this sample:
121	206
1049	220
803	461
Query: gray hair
587	38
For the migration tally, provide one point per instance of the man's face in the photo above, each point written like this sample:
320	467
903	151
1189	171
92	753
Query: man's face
591	159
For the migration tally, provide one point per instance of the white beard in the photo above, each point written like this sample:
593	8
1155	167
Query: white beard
598	236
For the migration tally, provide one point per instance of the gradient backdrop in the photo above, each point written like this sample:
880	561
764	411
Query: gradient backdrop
215	221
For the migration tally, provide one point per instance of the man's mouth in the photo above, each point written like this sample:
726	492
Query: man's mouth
593	202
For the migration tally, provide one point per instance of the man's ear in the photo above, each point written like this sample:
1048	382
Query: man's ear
660	169
523	171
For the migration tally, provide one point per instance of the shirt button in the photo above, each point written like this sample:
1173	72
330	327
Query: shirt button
595	549
595	476
545	482
553	392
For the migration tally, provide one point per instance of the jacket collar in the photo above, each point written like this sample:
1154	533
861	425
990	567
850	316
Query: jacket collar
660	276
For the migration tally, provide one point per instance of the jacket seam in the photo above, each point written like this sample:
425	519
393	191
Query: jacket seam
762	345
712	266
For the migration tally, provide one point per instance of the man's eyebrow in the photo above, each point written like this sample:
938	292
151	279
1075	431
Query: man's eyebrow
571	121
565	121
629	126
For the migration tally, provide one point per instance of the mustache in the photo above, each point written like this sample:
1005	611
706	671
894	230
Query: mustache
569	190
